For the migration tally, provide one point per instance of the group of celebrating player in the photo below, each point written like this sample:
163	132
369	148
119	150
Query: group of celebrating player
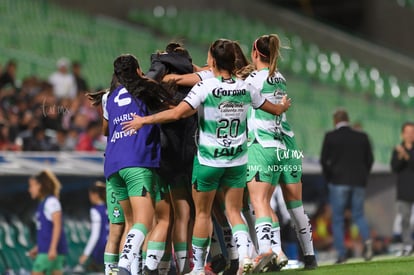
188	146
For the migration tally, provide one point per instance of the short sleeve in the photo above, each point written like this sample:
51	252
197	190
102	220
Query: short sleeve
104	110
196	96
257	98
52	205
206	74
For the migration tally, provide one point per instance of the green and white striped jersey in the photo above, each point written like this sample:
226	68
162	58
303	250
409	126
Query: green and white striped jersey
266	128
222	111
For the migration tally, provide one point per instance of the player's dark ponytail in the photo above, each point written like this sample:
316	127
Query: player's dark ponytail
155	96
222	50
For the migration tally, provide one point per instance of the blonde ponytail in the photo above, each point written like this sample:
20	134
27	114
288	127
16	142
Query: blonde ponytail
274	52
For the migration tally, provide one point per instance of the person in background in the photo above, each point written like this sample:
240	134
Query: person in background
402	164
346	160
51	248
95	246
8	77
81	84
88	138
63	82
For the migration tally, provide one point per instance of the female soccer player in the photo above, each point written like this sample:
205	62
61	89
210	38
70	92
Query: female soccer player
177	154
272	147
95	246
51	245
115	213
221	160
130	159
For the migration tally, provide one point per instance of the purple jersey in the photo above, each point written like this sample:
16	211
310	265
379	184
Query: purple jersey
141	149
45	229
99	249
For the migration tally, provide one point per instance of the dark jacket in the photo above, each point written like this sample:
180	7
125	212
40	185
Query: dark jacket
405	175
346	157
178	146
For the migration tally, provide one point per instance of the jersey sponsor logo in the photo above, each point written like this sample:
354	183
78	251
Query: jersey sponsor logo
116	213
219	92
231	107
123	117
273	80
228	152
122	101
118	135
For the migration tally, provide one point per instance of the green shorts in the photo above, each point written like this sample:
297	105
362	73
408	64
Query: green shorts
133	182
262	163
207	178
43	264
162	189
289	161
115	213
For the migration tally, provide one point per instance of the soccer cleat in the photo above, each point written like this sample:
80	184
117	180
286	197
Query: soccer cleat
277	262
281	260
148	271
217	264
232	268
310	262
114	271
246	267
262	262
123	271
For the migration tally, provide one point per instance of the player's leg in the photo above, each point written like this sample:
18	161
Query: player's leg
159	234
116	229
141	186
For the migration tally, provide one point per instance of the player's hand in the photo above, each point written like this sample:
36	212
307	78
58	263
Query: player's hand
32	252
52	254
82	259
286	102
402	153
133	125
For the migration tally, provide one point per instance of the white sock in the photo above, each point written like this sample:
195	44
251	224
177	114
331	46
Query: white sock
134	240
263	229
136	265
231	246
181	255
155	251
302	226
243	241
200	250
275	237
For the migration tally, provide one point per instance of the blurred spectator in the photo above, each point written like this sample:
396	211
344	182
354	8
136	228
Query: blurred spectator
63	82
8	84
402	163
322	228
34	118
39	141
8	77
89	137
81	83
346	160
